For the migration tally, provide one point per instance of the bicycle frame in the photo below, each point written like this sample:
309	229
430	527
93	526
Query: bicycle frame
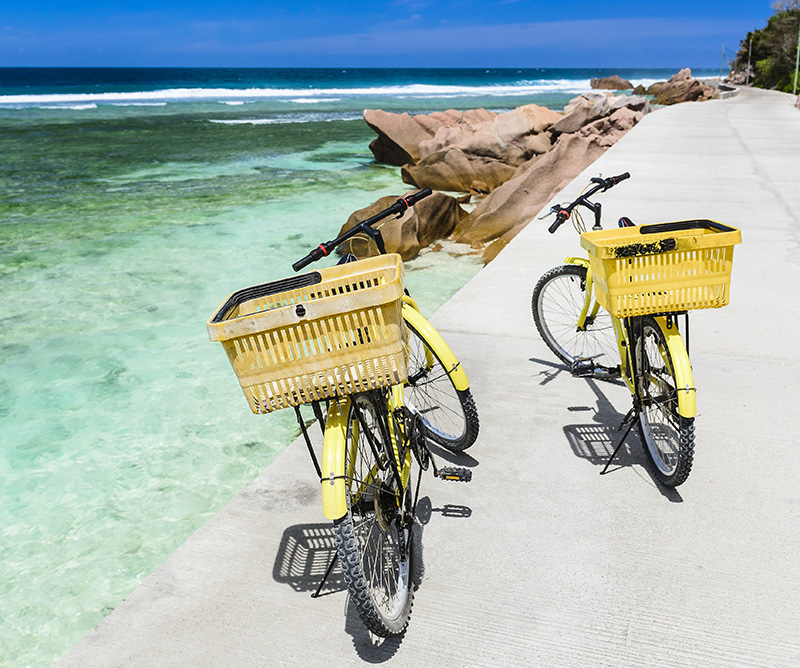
332	464
687	406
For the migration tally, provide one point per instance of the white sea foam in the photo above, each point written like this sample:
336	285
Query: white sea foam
288	94
138	104
77	107
304	118
303	100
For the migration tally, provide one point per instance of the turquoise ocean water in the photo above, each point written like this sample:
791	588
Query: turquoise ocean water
132	201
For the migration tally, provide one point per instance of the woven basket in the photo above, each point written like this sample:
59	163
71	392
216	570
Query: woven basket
329	333
663	268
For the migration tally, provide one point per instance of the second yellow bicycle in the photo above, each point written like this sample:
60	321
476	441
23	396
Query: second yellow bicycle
616	314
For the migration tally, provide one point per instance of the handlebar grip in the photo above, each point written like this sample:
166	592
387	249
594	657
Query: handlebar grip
300	264
313	256
614	180
561	216
411	200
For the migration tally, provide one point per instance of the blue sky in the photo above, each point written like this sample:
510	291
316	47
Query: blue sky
394	33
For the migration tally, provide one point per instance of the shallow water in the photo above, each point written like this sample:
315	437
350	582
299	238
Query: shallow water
123	428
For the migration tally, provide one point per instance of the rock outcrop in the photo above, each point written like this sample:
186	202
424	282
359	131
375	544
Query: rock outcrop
452	169
681	87
614	82
514	162
431	219
471	152
478	157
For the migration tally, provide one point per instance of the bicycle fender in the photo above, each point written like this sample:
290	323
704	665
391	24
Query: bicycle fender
687	405
334	503
437	343
577	260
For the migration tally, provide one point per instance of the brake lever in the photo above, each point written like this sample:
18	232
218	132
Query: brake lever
553	209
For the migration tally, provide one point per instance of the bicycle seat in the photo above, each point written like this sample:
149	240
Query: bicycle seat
626	222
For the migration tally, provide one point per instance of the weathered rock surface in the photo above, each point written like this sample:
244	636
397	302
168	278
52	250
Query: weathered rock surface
401	136
587	108
740	77
398	137
681	87
429	220
614	82
607	131
484	145
452	169
516	202
797	104
518	159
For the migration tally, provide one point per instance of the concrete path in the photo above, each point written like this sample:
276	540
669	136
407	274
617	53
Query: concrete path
540	561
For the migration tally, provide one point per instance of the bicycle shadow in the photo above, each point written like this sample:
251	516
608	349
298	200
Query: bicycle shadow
552	372
305	554
597	441
458	458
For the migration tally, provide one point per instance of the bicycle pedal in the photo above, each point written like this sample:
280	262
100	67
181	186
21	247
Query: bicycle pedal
455	473
583	367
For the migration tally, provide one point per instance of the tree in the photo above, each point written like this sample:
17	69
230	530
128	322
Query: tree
774	48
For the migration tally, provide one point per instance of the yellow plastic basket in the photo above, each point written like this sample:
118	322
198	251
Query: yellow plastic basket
328	333
662	268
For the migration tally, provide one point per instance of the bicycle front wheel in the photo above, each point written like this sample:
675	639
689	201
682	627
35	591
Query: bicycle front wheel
667	435
557	302
450	415
374	538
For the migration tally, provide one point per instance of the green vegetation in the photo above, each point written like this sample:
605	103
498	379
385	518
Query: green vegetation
774	49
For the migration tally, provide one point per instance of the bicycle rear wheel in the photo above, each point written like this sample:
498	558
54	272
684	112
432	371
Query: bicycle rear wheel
450	415
667	435
374	538
557	302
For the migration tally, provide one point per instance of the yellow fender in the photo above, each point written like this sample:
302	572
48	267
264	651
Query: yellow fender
414	318
577	260
334	477
334	502
687	404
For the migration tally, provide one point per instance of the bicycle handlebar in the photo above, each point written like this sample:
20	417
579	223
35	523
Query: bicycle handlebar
399	207
601	185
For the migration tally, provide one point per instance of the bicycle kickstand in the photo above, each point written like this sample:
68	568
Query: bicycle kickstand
327	573
627	422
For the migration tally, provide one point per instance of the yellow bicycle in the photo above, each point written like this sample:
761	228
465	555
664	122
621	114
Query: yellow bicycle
616	314
348	340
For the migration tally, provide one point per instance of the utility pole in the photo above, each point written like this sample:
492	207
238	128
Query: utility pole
796	62
722	63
